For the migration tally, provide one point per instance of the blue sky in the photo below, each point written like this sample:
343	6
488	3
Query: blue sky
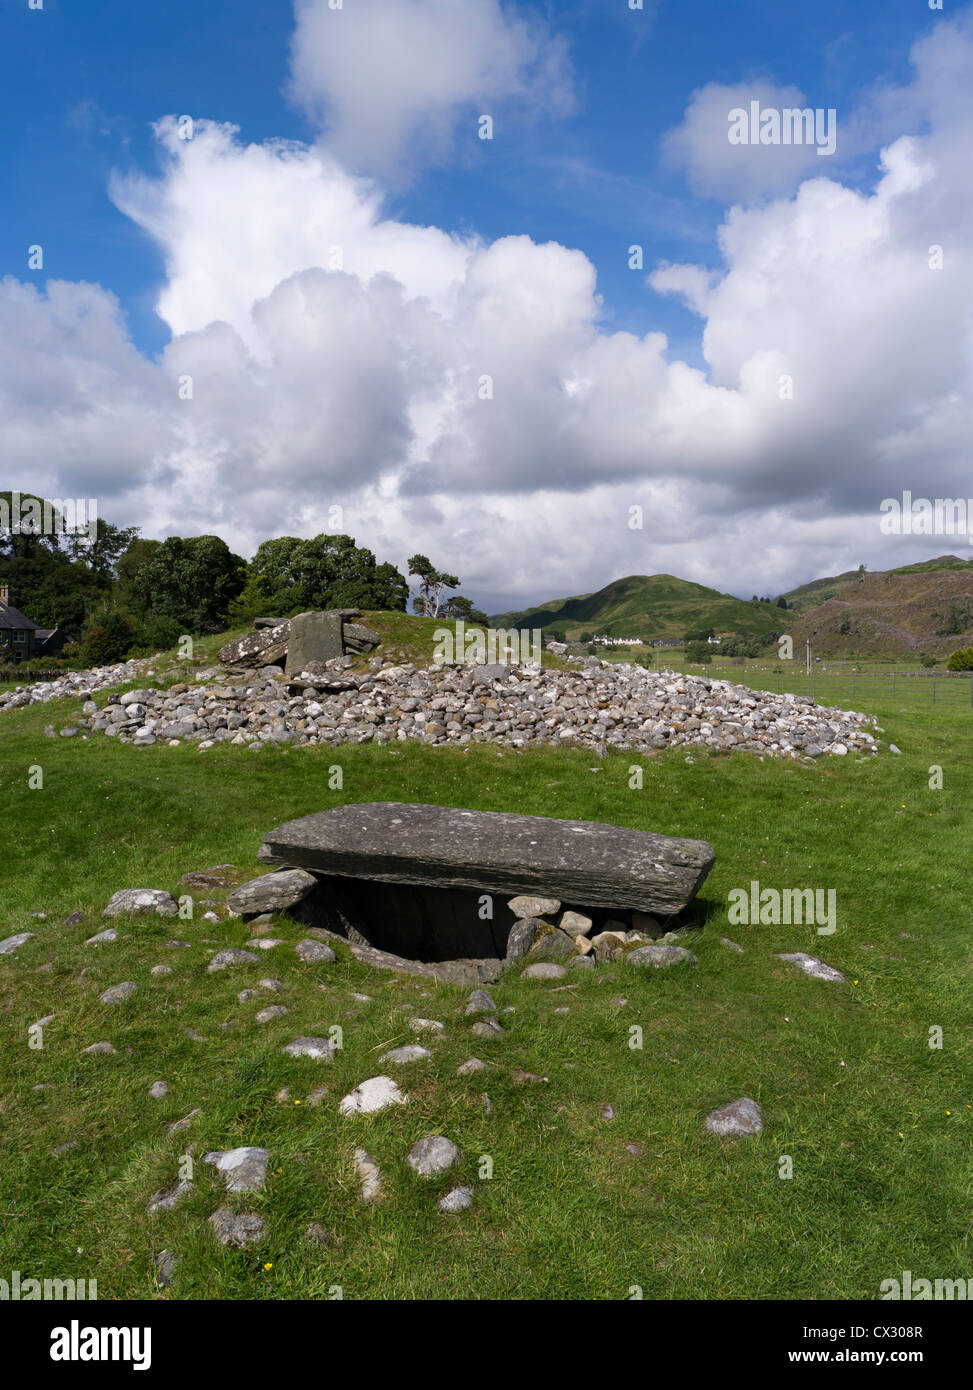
81	84
82	81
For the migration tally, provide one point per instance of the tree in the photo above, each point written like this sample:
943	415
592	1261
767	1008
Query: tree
698	634
102	552
862	571
432	582
698	653
191	581
961	660
457	606
782	603
290	575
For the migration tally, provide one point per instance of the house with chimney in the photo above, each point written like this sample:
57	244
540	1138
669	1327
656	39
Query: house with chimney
20	639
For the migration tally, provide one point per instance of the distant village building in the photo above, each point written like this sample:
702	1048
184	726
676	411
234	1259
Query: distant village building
618	641
20	639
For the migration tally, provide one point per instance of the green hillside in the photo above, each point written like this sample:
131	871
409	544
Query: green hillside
649	606
807	596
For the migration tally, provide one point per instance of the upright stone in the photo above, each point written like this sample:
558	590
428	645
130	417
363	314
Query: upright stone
313	637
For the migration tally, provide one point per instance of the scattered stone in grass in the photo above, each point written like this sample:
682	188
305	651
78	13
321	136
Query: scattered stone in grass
321	1049
425	1025
178	1126
894	749
102	1047
158	1090
315	952
64	1148
165	1268
400	1055
243	1169
487	1103
618	1002
246	995
232	955
362	998
319	1234
49	1085
544	970
812	966
460	1199
377	1093
193	1036
266	943
739	1117
582	962
13	943
526	1078
181	945
268	983
733	945
368	1171
102	937
43	1022
161	970
236	1230
117	993
168	1197
283	1095
210	917
564	1010
432	1155
270	1013
480	1002
633	1149
487	1028
660	955
316	1096
608	1112
141	902
74	919
473	1064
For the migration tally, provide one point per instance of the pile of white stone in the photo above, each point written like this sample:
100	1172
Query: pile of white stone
599	705
79	683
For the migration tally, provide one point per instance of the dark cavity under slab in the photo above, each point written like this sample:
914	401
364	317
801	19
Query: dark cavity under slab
415	921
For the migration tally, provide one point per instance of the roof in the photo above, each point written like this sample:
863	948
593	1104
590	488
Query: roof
13	619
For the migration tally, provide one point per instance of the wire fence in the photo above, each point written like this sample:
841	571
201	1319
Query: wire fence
855	688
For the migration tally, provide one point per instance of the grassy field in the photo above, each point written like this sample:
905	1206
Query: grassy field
877	1124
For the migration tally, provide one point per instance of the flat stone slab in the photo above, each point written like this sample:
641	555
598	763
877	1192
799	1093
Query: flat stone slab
12	943
495	852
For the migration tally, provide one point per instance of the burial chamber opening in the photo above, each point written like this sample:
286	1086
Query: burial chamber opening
420	922
415	921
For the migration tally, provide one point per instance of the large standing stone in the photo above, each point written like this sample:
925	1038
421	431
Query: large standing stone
491	852
313	637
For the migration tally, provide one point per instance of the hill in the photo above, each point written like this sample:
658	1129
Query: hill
897	613
657	606
818	591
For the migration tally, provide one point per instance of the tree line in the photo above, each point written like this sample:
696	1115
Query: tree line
114	593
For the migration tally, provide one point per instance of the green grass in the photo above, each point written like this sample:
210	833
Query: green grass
877	1124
